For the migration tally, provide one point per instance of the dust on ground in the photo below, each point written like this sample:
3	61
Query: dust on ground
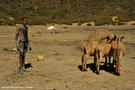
60	68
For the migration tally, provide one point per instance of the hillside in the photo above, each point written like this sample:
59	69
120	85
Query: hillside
66	11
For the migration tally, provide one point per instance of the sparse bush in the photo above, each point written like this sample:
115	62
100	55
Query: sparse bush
66	11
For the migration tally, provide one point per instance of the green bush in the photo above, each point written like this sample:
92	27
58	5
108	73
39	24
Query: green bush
67	11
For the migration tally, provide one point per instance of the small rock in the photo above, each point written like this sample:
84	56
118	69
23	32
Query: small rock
66	86
13	81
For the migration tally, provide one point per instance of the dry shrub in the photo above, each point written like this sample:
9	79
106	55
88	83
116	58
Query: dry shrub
99	33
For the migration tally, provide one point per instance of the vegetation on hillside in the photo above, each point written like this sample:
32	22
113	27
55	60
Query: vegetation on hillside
66	11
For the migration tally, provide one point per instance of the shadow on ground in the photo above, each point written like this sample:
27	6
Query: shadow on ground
28	65
133	57
92	67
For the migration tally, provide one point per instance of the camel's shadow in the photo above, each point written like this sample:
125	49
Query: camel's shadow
92	67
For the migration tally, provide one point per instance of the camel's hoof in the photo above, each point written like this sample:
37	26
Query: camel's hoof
97	73
84	70
117	73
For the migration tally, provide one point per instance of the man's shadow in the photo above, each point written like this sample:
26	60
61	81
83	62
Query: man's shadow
92	67
28	65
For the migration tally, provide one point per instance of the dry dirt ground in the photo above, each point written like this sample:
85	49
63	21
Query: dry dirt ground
60	69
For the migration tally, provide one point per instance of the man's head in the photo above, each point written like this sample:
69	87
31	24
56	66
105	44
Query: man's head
24	20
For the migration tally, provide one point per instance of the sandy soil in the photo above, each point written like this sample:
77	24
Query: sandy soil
60	69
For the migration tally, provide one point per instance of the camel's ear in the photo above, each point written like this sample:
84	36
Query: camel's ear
121	38
114	38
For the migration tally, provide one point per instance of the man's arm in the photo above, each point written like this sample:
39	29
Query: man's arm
16	36
29	47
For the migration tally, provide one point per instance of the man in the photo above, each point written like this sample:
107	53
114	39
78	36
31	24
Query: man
22	43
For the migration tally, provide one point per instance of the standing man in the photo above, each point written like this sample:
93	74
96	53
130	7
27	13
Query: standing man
22	43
